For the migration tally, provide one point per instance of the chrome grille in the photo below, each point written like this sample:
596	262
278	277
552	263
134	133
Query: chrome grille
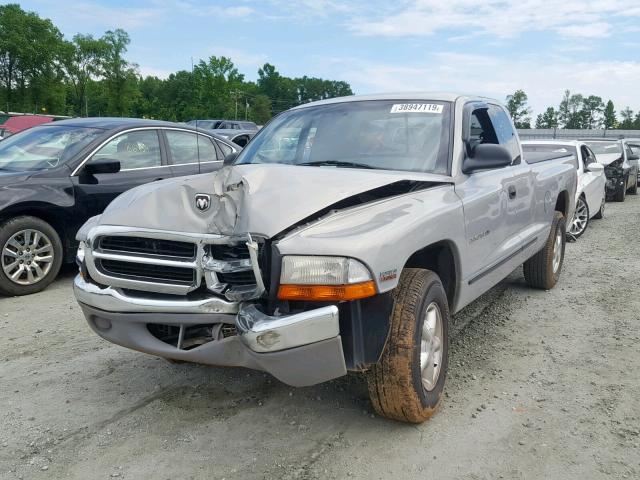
147	272
148	246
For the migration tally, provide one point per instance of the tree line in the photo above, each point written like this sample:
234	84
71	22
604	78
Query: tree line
575	111
42	72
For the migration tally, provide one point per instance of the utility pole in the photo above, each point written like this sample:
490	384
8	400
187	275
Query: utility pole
246	109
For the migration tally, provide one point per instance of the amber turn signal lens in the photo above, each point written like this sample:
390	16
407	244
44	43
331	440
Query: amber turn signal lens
327	293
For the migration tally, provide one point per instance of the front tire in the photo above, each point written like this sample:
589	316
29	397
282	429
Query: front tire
407	382
621	193
600	214
30	255
634	189
543	269
580	220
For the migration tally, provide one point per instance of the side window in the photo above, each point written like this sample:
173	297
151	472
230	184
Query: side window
635	149
226	150
588	156
186	147
480	128
139	149
504	131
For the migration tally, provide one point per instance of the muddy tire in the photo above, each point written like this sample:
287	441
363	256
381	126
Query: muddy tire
543	269
407	382
30	255
634	190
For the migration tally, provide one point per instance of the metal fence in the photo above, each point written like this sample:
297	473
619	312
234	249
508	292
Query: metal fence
539	133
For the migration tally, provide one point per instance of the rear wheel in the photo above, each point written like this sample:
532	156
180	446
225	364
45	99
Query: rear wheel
30	255
580	219
407	382
543	269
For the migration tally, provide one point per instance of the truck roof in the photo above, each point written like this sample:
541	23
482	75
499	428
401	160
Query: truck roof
551	142
434	96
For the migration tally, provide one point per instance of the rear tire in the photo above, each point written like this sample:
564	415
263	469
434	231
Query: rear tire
30	255
407	382
543	269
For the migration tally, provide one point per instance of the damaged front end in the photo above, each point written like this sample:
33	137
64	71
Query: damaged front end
201	299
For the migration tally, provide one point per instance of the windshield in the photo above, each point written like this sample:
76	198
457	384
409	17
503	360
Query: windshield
41	148
605	147
384	135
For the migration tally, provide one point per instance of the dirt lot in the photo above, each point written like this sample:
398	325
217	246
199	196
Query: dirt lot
541	385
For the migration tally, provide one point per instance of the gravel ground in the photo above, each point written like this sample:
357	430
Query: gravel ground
541	385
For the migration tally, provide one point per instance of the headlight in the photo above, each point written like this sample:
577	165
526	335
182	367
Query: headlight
324	279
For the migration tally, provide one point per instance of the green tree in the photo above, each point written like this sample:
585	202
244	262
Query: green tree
609	116
627	119
120	75
518	109
591	112
570	113
548	119
83	60
29	48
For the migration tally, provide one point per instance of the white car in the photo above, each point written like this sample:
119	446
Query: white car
590	195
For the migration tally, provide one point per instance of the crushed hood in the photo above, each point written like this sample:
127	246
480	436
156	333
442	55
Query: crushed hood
607	158
260	199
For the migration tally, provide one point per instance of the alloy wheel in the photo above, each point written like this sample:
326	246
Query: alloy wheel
580	218
431	346
27	257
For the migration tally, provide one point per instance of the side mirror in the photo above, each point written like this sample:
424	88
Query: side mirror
633	157
229	159
595	167
485	156
104	165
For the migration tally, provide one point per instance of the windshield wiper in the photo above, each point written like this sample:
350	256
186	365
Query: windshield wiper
335	163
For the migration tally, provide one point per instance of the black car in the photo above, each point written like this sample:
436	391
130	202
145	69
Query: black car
54	177
620	167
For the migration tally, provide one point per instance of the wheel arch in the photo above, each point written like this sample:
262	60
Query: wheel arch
562	203
52	214
443	258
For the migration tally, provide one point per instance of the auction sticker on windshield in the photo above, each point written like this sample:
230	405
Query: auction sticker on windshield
416	107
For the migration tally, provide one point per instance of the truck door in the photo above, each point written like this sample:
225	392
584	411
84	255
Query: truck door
520	212
485	196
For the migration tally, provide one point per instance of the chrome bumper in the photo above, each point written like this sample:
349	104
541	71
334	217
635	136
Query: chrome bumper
299	349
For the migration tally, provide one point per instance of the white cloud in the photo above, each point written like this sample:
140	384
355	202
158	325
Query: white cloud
544	80
94	14
147	71
572	18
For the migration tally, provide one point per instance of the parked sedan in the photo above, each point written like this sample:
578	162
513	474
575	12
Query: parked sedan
54	177
634	159
590	194
223	124
239	137
622	175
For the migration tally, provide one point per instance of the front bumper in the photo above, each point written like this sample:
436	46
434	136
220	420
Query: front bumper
300	349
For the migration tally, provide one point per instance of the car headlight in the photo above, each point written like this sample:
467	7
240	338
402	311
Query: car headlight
320	278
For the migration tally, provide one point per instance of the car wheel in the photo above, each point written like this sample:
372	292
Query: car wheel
407	382
634	189
543	269
600	213
580	219
621	192
30	255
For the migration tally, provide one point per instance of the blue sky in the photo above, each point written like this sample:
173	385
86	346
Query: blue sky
490	47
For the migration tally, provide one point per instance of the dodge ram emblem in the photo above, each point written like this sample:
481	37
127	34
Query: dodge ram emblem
203	202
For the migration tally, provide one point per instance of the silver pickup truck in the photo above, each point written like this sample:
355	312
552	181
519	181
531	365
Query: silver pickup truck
342	238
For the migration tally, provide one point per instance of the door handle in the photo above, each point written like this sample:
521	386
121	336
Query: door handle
512	192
